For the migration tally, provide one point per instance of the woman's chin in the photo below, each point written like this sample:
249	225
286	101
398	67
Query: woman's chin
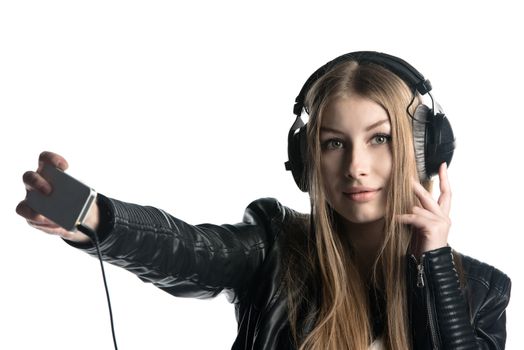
363	218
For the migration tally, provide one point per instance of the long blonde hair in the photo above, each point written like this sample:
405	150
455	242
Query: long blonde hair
339	315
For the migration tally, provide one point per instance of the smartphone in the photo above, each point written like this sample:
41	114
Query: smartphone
68	203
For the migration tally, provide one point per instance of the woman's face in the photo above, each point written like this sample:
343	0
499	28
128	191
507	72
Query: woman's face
356	157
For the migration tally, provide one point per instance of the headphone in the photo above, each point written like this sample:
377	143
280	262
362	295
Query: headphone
434	141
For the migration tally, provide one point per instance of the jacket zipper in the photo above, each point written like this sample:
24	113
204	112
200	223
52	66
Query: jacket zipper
421	283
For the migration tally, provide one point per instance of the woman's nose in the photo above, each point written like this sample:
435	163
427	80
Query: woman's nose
357	163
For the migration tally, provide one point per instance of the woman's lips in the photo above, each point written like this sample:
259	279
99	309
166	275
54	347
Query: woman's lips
362	196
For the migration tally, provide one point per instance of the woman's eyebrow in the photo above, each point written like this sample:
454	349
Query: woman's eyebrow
331	130
368	128
376	124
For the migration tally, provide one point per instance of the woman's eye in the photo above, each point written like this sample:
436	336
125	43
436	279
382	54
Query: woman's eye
333	144
380	139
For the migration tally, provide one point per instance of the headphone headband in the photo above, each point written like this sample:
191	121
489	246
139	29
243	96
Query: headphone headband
412	77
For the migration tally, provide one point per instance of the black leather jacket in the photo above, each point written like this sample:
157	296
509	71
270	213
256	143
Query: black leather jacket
244	261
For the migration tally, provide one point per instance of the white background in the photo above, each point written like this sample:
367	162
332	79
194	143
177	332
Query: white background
187	106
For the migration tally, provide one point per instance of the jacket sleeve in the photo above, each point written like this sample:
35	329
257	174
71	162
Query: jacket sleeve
197	261
485	328
491	290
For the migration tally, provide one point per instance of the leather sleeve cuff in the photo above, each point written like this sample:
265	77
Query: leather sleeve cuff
455	329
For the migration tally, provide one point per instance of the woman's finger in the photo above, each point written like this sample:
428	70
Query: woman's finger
53	159
428	215
35	181
39	221
444	199
28	213
414	220
420	218
425	198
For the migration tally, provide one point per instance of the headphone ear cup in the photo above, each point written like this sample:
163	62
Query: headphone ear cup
433	140
297	153
419	124
440	143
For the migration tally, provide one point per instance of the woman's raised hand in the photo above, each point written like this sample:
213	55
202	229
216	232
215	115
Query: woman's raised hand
34	181
431	219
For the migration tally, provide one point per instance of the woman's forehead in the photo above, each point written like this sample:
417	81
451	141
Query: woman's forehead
354	111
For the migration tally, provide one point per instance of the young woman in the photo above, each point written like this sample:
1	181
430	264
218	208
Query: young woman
369	267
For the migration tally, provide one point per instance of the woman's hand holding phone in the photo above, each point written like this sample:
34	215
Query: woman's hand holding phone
35	181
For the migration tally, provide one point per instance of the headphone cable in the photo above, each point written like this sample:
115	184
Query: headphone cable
94	237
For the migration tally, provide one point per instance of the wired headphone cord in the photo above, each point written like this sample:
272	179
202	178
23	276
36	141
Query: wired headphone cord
91	234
